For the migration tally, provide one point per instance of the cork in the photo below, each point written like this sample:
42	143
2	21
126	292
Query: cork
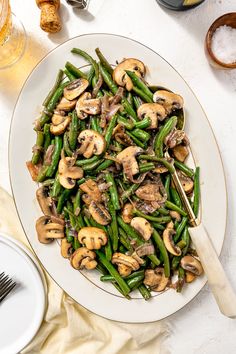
49	20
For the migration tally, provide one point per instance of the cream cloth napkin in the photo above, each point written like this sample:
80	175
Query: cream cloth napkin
68	328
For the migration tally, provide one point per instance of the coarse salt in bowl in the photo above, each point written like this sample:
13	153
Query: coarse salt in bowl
220	42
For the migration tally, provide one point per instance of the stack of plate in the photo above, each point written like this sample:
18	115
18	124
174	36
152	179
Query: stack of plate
22	312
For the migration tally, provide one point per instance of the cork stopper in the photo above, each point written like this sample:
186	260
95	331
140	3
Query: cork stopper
49	20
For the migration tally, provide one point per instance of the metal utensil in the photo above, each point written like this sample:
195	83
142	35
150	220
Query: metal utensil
217	279
6	286
80	4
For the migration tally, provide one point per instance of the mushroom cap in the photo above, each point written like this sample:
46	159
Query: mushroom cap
92	143
180	152
124	270
127	158
61	125
66	248
48	228
175	215
66	105
131	64
154	111
87	105
129	261
99	213
45	201
191	264
92	237
169	243
75	88
127	213
186	182
156	279
83	258
56	3
90	187
169	100
189	277
69	173
149	192
142	226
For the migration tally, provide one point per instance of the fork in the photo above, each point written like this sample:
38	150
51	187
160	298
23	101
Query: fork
6	285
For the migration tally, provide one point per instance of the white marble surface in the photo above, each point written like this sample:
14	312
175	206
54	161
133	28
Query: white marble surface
198	328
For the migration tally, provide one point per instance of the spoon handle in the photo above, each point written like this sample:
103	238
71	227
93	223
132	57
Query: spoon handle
217	279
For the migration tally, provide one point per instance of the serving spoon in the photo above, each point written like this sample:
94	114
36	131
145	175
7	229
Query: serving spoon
217	279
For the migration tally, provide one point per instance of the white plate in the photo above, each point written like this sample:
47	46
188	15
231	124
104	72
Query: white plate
84	287
21	313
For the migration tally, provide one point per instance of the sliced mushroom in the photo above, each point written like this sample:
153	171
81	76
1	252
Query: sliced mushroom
186	182
191	264
169	243
90	187
66	248
124	270
160	169
180	152
174	138
75	88
48	228
87	105
170	101
189	277
149	192
92	237
156	279
45	201
83	258
127	213
137	258
154	111
143	227
99	213
131	64
127	158
92	143
146	249
59	124
66	105
68	173
123	259
121	136
175	215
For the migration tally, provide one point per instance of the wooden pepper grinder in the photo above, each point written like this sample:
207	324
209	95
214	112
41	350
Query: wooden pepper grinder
49	20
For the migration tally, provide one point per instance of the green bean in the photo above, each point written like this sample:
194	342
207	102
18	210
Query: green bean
62	199
48	182
130	99
141	134
113	191
175	197
160	244
137	102
82	125
39	147
92	165
47	136
181	279
81	181
158	226
55	157
87	57
181	166
134	281
124	240
73	130
135	274
76	244
110	128
114	227
172	206
80	221
56	188
101	269
66	146
196	192
140	84
42	173
104	165
94	123
128	124
127	193
75	71
181	244
87	221
91	75
108	250
70	76
142	124
180	228
175	262
161	219
104	61
107	277
77	203
70	238
163	211
186	238
167	128
142	95
145	167
144	292
161	160
167	186
137	142
87	161
54	88
120	281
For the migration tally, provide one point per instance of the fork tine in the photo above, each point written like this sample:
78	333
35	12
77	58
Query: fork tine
4	279
8	290
5	286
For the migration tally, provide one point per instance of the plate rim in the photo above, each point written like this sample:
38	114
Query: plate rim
209	125
7	240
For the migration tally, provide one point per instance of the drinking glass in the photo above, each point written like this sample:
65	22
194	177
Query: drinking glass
12	36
